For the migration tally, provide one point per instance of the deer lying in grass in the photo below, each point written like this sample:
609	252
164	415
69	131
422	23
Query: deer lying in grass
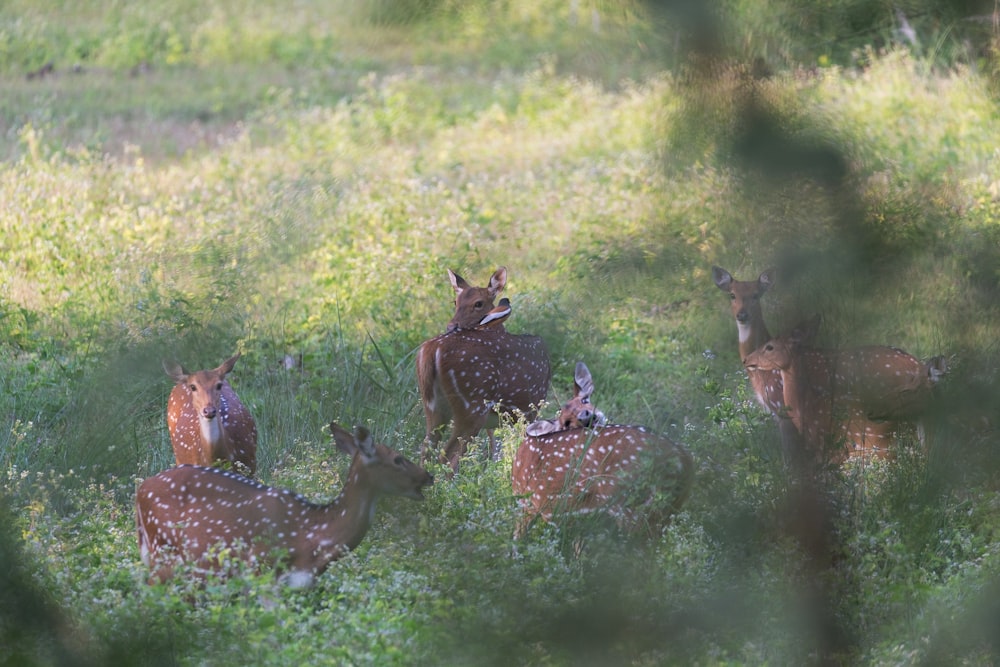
193	514
578	464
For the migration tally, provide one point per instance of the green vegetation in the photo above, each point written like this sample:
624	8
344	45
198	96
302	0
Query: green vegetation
195	178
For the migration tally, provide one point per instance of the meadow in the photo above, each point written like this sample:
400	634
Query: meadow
188	180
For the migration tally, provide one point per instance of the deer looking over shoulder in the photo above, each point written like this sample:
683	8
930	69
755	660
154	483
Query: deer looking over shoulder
847	397
577	464
192	514
207	421
477	369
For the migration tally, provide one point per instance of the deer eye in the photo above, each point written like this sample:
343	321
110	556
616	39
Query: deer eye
732	296
193	388
769	348
399	460
479	304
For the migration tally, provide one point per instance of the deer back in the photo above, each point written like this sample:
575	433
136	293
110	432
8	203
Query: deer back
888	382
193	514
475	370
206	419
830	418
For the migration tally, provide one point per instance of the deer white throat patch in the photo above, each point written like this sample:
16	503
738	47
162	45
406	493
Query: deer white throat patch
744	331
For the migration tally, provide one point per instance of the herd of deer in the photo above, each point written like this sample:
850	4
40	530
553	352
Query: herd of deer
828	403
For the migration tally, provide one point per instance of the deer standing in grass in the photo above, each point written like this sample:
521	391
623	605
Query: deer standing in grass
477	369
207	421
847	397
576	464
886	384
193	514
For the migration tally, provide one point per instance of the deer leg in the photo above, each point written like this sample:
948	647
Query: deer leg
492	422
794	449
436	420
466	427
494	448
879	439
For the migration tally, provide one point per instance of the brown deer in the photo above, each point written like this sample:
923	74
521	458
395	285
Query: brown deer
577	412
886	384
847	397
193	514
576	464
744	299
207	421
477	369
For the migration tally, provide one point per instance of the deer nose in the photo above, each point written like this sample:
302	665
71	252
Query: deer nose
208	412
742	317
451	327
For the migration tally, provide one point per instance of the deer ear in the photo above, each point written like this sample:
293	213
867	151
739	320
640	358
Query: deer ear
365	442
766	280
498	281
226	367
174	370
542	427
722	278
582	381
344	439
457	281
805	331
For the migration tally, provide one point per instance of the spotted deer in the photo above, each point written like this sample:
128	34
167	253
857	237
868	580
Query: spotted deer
744	299
207	421
887	384
576	464
577	412
477	369
851	398
201	516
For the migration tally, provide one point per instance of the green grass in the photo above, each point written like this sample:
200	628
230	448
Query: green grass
291	184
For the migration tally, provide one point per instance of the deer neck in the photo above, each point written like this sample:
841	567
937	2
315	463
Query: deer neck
212	432
348	517
752	335
793	388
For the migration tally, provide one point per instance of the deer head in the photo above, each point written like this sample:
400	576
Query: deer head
206	419
578	412
473	304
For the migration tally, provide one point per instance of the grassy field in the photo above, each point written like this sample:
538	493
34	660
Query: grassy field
192	179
